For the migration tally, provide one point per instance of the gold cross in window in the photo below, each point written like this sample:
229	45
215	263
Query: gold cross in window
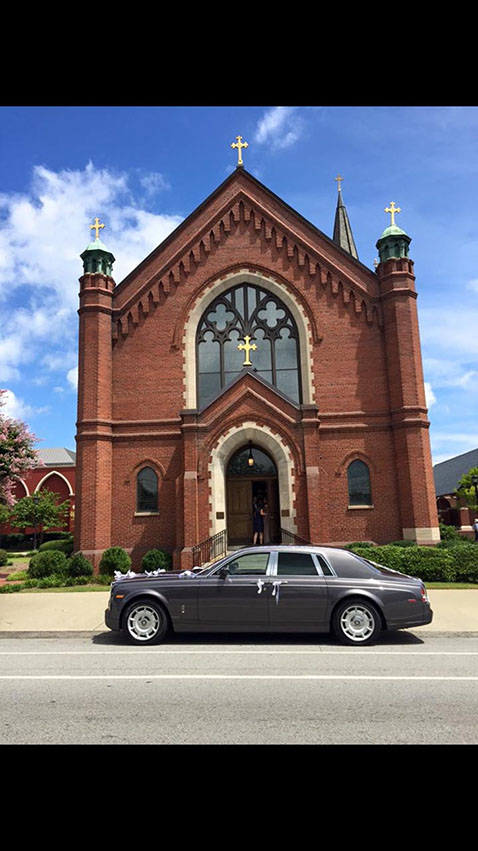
247	348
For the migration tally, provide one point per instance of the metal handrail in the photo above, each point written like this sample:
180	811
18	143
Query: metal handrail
289	539
210	549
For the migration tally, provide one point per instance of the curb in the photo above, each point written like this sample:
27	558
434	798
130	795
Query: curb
117	635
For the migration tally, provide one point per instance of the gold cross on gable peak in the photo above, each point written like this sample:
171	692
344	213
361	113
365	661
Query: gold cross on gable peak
339	179
239	144
392	210
247	348
96	226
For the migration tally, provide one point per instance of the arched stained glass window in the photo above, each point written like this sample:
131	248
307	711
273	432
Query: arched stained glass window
242	311
146	490
358	476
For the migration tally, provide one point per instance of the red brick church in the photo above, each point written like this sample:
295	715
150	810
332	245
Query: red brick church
251	355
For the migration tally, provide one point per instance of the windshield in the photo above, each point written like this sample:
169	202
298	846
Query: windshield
210	567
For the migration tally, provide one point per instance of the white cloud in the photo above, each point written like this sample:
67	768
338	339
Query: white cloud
154	182
42	233
466	440
449	373
280	127
473	285
16	409
429	395
451	329
72	377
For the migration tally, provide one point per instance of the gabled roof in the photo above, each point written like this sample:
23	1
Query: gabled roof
58	457
448	473
233	177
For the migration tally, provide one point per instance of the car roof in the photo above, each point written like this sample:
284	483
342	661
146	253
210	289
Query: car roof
288	548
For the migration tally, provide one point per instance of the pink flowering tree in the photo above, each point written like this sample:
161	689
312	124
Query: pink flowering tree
17	455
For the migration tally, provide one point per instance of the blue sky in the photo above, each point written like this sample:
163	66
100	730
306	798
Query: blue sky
142	170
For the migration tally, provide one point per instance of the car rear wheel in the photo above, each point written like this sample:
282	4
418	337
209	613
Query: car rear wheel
356	622
145	622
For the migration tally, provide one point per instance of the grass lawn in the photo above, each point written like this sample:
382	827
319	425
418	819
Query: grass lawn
65	590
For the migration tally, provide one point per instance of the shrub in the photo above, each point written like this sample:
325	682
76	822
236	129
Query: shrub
452	543
57	536
54	581
70	581
78	565
47	564
18	576
157	560
427	563
465	560
403	543
101	579
10	589
64	546
448	533
3	558
12	540
114	558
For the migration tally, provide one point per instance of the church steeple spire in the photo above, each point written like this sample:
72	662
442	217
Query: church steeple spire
343	235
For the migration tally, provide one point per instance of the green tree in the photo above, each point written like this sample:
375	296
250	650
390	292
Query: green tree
47	514
466	488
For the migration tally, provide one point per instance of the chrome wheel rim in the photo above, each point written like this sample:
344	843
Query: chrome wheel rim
143	623
357	623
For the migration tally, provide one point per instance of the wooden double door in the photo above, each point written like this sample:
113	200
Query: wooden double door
240	497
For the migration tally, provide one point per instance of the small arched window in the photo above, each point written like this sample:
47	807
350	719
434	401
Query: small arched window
360	492
146	490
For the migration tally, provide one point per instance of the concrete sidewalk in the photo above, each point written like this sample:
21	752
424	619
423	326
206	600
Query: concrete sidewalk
453	611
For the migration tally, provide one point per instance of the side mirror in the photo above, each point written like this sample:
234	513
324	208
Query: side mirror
223	572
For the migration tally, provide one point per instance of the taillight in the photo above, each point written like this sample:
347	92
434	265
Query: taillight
424	594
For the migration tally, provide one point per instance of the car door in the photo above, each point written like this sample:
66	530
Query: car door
298	598
239	601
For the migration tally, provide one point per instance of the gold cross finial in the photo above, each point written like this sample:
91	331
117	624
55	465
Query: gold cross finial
96	226
392	210
239	144
247	348
339	179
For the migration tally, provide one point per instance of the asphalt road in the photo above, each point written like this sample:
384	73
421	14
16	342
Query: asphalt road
239	690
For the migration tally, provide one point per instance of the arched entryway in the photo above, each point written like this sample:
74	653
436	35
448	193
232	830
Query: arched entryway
251	474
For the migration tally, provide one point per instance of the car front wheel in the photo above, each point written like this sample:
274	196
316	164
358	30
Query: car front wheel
145	622
356	622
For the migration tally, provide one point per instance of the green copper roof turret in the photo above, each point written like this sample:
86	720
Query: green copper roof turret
394	242
96	256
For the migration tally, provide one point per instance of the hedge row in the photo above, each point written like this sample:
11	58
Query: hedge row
432	564
51	560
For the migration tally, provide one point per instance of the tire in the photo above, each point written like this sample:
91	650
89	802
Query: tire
145	622
356	622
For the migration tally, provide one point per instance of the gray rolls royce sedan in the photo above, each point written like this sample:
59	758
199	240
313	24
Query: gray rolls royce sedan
271	589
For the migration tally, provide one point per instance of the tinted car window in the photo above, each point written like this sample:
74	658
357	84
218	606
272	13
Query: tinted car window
349	566
254	564
325	567
296	564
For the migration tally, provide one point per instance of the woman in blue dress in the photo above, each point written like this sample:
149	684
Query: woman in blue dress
258	521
